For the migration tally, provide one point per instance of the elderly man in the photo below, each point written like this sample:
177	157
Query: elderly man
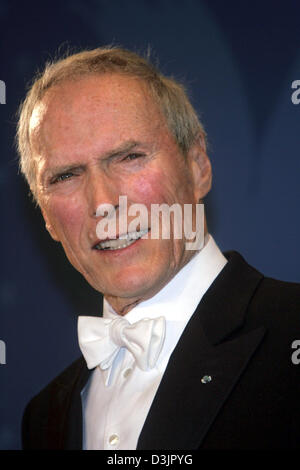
194	349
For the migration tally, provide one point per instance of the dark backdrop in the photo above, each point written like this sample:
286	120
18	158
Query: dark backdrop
238	60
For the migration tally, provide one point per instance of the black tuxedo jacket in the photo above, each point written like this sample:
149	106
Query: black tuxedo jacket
241	336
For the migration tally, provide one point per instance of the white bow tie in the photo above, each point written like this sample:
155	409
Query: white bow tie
101	339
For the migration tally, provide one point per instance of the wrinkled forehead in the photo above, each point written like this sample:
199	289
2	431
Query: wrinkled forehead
95	94
85	106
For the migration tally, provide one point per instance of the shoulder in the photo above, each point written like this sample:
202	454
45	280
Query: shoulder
66	380
280	291
275	306
277	302
269	295
266	302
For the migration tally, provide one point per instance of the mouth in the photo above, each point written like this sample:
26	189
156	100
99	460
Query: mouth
119	243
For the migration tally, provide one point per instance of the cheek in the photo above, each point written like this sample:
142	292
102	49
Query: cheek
153	188
66	216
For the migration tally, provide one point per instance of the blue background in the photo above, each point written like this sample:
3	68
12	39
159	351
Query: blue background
238	59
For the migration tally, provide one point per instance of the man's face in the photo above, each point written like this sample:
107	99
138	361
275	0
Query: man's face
99	138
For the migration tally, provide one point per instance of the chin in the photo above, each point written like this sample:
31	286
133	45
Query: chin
131	285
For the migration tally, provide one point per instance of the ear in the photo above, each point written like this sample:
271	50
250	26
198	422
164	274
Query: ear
200	167
48	225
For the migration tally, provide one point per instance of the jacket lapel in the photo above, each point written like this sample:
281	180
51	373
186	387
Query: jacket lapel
64	427
216	344
74	423
67	418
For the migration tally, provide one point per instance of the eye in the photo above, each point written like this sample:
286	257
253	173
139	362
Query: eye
133	156
61	178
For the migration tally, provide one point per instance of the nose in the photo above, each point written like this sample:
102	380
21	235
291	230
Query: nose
101	193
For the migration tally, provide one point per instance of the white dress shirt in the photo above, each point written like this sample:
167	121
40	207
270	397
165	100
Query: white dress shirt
116	401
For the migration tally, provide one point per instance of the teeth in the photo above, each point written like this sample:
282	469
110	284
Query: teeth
122	242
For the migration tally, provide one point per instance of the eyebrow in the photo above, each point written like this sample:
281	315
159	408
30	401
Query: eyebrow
123	148
109	155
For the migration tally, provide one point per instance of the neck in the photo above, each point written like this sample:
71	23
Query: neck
122	306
